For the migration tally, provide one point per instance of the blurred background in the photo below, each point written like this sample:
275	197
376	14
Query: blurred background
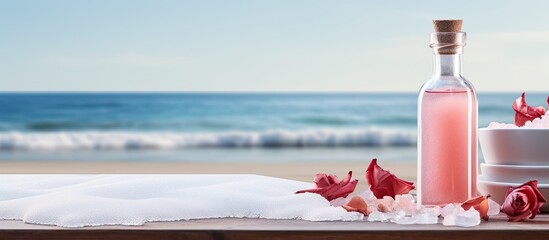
247	81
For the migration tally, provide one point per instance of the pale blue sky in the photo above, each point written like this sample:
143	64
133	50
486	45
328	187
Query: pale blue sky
278	45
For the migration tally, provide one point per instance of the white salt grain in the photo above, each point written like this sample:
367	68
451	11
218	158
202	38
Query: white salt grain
449	220
493	207
393	216
468	218
377	216
455	215
449	209
405	203
542	122
426	218
433	211
367	195
338	202
493	125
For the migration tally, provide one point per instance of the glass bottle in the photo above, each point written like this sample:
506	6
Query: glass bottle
447	127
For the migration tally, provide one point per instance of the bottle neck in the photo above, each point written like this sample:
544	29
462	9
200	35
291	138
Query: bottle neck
448	65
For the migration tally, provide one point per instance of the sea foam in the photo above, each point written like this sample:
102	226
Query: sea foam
161	140
94	200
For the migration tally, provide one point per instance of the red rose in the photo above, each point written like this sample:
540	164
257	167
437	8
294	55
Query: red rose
356	204
525	113
330	187
383	183
480	204
523	201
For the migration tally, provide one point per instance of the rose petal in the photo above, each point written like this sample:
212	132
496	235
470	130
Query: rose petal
401	186
507	206
519	217
356	204
330	188
345	190
525	113
480	203
541	200
523	201
340	190
383	183
324	180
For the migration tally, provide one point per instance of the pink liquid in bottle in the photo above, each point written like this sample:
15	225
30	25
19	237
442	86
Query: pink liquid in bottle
448	146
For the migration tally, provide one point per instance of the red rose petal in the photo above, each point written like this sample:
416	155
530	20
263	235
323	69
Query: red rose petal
330	187
525	113
383	183
324	180
519	217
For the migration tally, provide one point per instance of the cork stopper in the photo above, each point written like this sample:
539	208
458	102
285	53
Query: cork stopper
448	25
448	37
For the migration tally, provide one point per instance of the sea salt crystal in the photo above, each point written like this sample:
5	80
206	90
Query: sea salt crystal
393	216
405	203
386	204
542	122
449	209
367	195
403	210
433	210
377	216
468	218
455	215
501	125
418	218
493	207
372	206
330	214
426	218
406	220
449	220
338	202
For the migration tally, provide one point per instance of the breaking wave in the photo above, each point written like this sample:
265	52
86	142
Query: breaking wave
170	140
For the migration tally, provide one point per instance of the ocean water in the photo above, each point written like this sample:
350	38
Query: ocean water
220	126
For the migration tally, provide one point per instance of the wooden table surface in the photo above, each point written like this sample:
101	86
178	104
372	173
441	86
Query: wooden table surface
233	228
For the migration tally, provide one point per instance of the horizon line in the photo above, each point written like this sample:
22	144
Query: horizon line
230	92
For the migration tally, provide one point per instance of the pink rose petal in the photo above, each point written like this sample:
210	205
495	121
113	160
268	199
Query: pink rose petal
356	204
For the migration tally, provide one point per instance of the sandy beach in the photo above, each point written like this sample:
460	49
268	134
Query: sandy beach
295	171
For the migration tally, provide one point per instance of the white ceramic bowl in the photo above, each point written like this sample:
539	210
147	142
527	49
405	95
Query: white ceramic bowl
520	146
515	173
497	190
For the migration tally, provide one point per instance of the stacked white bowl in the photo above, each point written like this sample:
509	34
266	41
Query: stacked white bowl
511	158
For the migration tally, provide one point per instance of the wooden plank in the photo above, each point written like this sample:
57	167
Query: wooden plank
254	235
496	228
